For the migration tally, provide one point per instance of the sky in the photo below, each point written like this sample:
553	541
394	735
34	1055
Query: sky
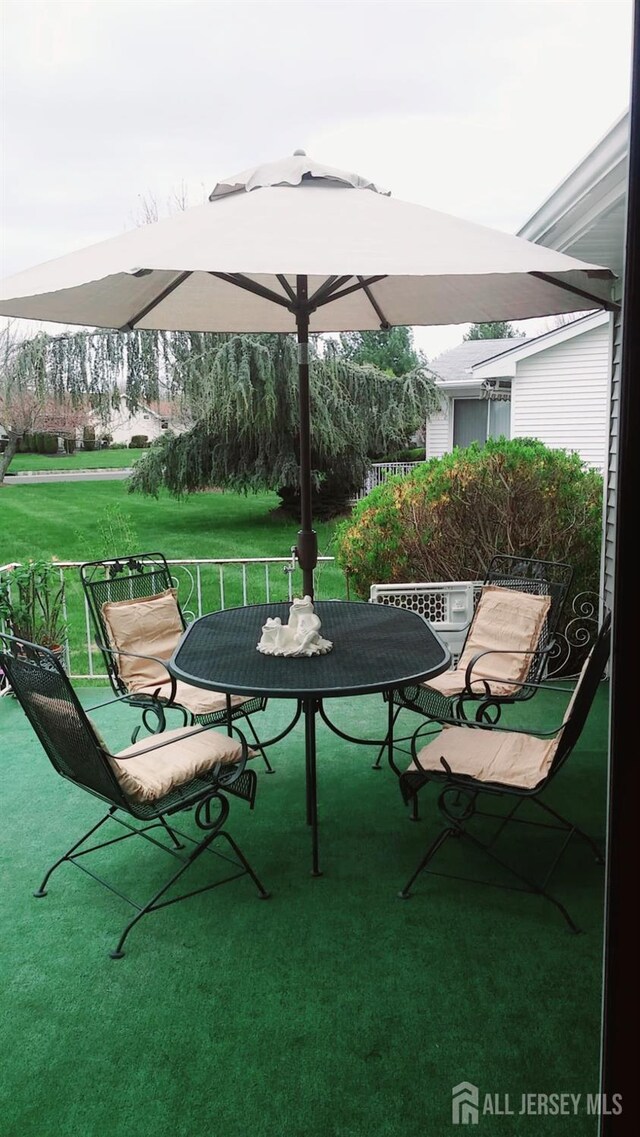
477	109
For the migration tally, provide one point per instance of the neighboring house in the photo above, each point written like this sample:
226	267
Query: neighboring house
586	217
467	414
123	424
553	387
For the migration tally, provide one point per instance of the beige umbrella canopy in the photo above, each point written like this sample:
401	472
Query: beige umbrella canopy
296	246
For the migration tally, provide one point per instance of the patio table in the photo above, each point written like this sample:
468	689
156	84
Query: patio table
376	648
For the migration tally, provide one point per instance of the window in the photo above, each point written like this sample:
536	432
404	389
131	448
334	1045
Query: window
475	420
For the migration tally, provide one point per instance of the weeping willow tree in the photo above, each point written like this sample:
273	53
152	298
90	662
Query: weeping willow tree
241	395
44	378
244	399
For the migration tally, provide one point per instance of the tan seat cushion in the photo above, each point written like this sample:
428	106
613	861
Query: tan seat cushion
147	777
152	626
510	759
504	619
149	626
195	699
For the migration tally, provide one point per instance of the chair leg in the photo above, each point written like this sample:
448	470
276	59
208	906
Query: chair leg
42	891
404	893
152	905
597	852
259	746
532	886
385	745
262	891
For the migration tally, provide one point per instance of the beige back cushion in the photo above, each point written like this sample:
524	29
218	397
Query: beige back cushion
505	619
150	626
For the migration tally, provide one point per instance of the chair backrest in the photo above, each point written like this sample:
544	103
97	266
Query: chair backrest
537	578
550	578
57	717
136	577
590	678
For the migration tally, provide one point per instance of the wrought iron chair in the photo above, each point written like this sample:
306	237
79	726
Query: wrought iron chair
148	782
138	622
507	648
469	759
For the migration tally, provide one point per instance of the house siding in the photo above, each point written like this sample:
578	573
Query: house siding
611	486
438	432
560	396
123	426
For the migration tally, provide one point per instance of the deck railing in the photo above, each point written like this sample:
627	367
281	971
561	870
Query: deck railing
211	584
380	471
204	585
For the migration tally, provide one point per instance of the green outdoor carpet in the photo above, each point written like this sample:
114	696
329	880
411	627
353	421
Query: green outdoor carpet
333	1009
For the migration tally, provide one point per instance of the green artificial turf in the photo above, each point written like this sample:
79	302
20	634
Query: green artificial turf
333	1009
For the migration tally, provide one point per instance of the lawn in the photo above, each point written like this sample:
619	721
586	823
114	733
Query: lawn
65	521
81	460
88	520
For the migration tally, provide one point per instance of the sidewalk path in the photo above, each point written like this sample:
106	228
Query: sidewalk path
39	477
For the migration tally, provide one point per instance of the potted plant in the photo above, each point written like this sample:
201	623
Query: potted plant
32	604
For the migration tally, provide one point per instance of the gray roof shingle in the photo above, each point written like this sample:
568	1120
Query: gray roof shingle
453	365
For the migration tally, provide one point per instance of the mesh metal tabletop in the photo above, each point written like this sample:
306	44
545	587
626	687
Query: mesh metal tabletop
375	648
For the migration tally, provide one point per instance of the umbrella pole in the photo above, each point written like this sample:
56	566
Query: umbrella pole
307	546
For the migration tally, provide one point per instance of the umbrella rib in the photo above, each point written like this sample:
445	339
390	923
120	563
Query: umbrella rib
327	288
608	305
362	283
130	325
250	285
384	323
287	287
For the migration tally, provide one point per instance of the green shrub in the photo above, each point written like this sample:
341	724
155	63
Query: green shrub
89	437
51	444
446	519
70	445
138	441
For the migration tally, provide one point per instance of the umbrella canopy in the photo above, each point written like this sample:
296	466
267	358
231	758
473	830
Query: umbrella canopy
296	246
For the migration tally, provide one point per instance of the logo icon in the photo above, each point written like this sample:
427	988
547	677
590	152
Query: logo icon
464	1104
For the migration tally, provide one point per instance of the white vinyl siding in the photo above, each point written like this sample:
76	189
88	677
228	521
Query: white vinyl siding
560	396
611	484
438	432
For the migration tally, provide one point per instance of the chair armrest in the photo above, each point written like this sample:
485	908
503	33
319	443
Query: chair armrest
486	679
138	655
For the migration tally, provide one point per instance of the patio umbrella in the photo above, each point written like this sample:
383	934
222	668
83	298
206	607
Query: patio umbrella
296	246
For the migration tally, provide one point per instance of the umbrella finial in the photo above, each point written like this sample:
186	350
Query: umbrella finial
299	153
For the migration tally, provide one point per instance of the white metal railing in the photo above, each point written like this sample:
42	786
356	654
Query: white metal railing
204	584
380	471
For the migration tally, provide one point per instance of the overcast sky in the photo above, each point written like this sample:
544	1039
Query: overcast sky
478	109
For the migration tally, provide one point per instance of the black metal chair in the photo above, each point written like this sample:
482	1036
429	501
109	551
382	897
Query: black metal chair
470	759
136	660
473	688
150	781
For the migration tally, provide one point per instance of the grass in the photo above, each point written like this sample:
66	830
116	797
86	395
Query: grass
64	521
81	460
332	1010
89	520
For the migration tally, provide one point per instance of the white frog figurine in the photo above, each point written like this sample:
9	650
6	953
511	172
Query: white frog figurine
299	637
